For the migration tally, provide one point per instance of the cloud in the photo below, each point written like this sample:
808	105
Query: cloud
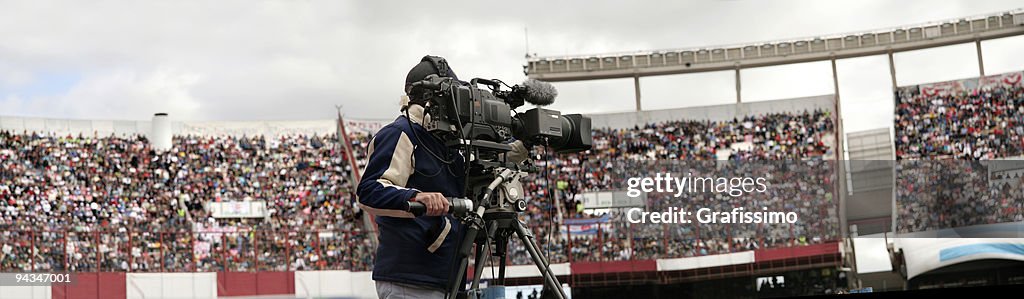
117	92
247	60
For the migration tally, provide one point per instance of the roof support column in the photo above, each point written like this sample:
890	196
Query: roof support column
738	100
842	190
892	71
981	62
636	87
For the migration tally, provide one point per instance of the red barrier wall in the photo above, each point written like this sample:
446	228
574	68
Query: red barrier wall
103	285
255	283
795	252
613	267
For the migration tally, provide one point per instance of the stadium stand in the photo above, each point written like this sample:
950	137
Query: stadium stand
117	205
961	123
137	205
640	151
948	136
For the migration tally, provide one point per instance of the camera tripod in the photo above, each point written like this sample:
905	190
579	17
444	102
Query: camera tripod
498	220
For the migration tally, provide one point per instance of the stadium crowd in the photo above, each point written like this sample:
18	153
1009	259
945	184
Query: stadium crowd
115	204
946	143
794	147
974	124
941	194
134	204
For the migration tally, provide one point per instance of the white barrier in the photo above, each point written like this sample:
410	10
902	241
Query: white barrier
25	292
363	285
521	271
706	261
318	284
172	285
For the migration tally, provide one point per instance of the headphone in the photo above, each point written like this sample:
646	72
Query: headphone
439	64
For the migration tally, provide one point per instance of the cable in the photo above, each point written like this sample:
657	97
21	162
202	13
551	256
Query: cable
447	162
490	262
419	142
547	181
462	136
415	135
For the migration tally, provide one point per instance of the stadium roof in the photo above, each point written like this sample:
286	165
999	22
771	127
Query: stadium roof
717	58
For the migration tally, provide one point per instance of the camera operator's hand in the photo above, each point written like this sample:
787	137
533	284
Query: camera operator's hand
436	204
519	152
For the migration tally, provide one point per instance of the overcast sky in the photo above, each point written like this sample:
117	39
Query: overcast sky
284	60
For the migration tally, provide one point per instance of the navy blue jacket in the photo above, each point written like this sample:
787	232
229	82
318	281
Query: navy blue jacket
412	250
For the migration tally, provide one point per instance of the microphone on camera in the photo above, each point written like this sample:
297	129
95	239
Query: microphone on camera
538	92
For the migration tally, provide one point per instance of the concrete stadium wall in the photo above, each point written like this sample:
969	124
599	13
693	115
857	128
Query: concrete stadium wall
348	284
713	113
327	126
250	128
208	128
74	127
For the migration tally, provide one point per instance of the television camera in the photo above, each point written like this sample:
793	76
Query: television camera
479	118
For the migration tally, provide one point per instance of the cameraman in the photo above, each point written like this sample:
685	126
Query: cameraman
407	163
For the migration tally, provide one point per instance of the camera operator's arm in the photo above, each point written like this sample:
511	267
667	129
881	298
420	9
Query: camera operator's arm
382	189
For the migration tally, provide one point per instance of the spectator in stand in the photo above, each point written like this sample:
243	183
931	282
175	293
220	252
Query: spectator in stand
940	139
150	208
975	124
619	154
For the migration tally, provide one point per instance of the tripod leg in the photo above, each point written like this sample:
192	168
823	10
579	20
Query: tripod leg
482	249
457	277
544	260
536	247
478	267
501	251
533	243
549	277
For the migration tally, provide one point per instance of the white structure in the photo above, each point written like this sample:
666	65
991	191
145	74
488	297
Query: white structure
160	137
922	255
